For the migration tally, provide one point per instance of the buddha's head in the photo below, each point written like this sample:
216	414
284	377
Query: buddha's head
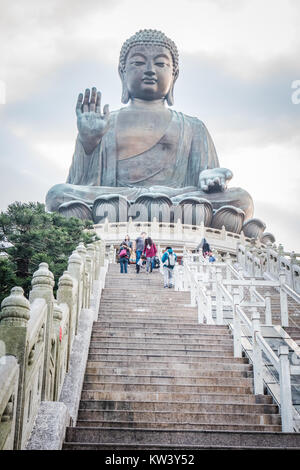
148	67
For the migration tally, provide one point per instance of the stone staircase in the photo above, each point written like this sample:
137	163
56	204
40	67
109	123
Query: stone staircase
156	379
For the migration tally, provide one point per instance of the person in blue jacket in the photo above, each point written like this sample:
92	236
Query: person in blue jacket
168	259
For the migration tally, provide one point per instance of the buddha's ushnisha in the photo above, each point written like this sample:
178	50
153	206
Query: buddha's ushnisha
145	147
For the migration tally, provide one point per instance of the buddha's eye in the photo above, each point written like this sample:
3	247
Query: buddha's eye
160	64
138	63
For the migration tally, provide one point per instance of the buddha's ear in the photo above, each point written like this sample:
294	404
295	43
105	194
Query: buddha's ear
170	94
125	93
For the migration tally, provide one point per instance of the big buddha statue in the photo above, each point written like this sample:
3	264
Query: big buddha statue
147	154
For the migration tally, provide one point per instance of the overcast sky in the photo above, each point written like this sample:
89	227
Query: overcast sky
238	60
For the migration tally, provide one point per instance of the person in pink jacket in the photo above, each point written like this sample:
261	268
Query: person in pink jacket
149	251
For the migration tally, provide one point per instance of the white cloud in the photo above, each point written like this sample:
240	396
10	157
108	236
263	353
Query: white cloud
37	37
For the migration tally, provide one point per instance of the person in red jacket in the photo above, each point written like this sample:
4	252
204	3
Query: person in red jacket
149	251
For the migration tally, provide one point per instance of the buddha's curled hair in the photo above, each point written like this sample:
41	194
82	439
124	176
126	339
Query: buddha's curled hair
149	36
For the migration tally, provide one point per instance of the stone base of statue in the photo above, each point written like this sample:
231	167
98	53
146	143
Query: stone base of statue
150	203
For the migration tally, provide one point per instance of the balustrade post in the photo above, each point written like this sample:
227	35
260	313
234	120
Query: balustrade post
200	306
102	252
283	301
65	296
97	261
57	317
286	405
241	288
209	318
185	276
193	289
42	288
91	250
81	250
268	310
237	339
111	254
213	271
14	318
257	356
75	268
89	273
219	303
228	272
268	249
293	262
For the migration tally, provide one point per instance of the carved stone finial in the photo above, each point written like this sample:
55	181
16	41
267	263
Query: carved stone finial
15	308
42	277
91	250
81	249
75	258
65	280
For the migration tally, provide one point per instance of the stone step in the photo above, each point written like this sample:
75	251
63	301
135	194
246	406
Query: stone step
182	319
99	346
142	447
166	388
106	341
145	323
173	397
165	380
176	372
154	365
146	307
158	418
173	438
222	426
181	314
114	295
93	406
206	350
206	356
157	335
151	329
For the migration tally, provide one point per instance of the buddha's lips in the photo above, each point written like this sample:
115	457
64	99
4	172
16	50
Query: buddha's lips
149	80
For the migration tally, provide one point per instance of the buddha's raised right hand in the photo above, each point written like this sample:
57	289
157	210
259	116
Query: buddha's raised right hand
91	124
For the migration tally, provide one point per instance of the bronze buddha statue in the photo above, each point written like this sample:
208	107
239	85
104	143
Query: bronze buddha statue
147	153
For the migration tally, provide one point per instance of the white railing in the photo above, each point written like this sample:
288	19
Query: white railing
269	260
175	232
38	334
219	289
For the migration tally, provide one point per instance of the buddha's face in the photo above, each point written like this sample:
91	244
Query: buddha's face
149	72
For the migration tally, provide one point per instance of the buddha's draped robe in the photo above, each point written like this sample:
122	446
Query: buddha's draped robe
171	165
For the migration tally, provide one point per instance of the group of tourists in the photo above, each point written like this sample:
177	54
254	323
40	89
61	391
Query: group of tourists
143	251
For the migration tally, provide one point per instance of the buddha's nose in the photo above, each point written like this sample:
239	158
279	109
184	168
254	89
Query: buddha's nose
149	69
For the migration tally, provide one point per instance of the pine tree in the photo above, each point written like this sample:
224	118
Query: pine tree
37	236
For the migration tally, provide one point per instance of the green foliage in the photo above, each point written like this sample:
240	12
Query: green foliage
37	236
8	278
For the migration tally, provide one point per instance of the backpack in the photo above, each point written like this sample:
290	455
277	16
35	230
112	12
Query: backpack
171	260
156	263
123	253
